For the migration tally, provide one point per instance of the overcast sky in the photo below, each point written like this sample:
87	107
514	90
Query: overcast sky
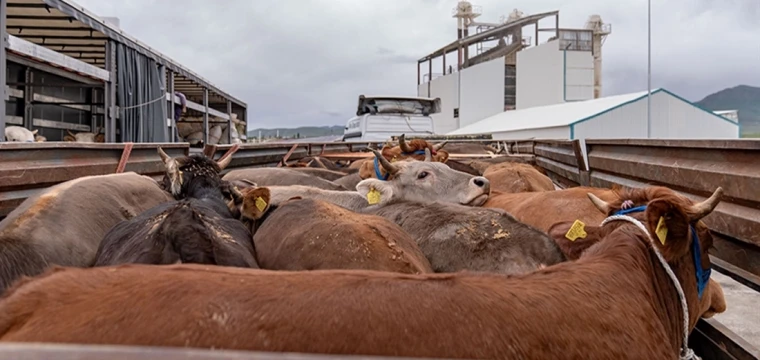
304	62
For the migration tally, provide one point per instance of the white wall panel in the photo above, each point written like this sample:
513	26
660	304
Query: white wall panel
482	92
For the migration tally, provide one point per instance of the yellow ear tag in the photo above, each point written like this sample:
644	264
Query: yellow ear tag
261	204
576	231
661	230
373	196
393	159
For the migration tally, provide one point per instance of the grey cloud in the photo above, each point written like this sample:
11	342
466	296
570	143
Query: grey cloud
304	62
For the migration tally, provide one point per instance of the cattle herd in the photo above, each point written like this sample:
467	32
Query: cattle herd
408	253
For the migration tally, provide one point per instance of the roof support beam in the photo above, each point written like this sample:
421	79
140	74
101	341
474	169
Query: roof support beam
110	93
205	117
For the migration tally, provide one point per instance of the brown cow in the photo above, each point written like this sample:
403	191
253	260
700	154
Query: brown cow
85	137
281	177
545	208
65	223
615	302
331	237
414	149
456	237
515	177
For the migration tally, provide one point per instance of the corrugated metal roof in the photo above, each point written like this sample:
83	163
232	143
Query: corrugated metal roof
539	117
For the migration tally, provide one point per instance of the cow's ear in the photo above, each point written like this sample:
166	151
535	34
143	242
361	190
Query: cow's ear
574	237
669	226
35	131
101	138
69	138
377	192
367	170
442	156
256	202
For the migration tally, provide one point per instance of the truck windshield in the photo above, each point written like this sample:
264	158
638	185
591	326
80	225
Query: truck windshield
396	106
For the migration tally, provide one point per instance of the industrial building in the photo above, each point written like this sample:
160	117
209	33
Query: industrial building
614	117
65	70
509	70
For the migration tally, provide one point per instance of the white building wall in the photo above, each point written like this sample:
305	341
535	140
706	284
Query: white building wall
539	76
547	75
482	92
672	118
579	75
558	132
446	88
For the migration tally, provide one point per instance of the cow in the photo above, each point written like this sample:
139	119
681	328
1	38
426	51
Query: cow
332	237
349	181
543	209
197	229
471	148
281	176
455	237
85	137
21	134
180	171
414	149
516	177
627	297
409	180
65	223
329	175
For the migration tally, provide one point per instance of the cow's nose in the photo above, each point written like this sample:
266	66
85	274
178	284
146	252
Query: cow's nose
481	182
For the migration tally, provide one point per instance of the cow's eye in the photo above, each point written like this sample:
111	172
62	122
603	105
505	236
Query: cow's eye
422	175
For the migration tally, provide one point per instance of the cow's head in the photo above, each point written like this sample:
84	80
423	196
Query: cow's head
424	181
181	170
675	225
19	134
85	137
250	204
414	149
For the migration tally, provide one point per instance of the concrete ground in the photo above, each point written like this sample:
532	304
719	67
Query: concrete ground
742	314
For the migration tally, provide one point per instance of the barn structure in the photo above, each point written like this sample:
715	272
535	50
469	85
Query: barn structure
65	69
614	117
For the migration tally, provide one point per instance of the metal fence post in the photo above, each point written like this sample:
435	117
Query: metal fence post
3	64
205	116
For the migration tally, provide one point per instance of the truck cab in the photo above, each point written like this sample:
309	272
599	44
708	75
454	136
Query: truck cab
380	117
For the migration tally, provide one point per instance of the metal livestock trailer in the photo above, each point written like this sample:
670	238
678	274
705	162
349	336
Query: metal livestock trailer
693	167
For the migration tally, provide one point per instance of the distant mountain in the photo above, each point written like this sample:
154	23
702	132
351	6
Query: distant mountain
744	98
300	132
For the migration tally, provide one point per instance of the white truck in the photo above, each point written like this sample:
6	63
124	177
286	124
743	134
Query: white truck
380	117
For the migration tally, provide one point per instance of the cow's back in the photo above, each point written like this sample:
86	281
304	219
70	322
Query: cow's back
65	223
456	237
543	209
517	177
281	177
309	234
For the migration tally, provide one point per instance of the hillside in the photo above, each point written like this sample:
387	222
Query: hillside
300	132
744	98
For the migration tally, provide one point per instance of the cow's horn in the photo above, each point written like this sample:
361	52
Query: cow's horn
599	203
164	157
704	208
227	157
403	145
428	155
70	133
390	168
439	146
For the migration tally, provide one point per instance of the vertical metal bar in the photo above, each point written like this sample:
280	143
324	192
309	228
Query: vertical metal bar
109	98
205	116
556	26
164	106
537	33
430	74
3	64
649	69
444	62
230	124
418	74
172	104
28	97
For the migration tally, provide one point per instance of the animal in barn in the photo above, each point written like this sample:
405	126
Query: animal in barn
64	224
416	149
281	177
517	177
410	180
85	137
470	148
200	228
543	209
620	299
455	237
21	134
332	237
